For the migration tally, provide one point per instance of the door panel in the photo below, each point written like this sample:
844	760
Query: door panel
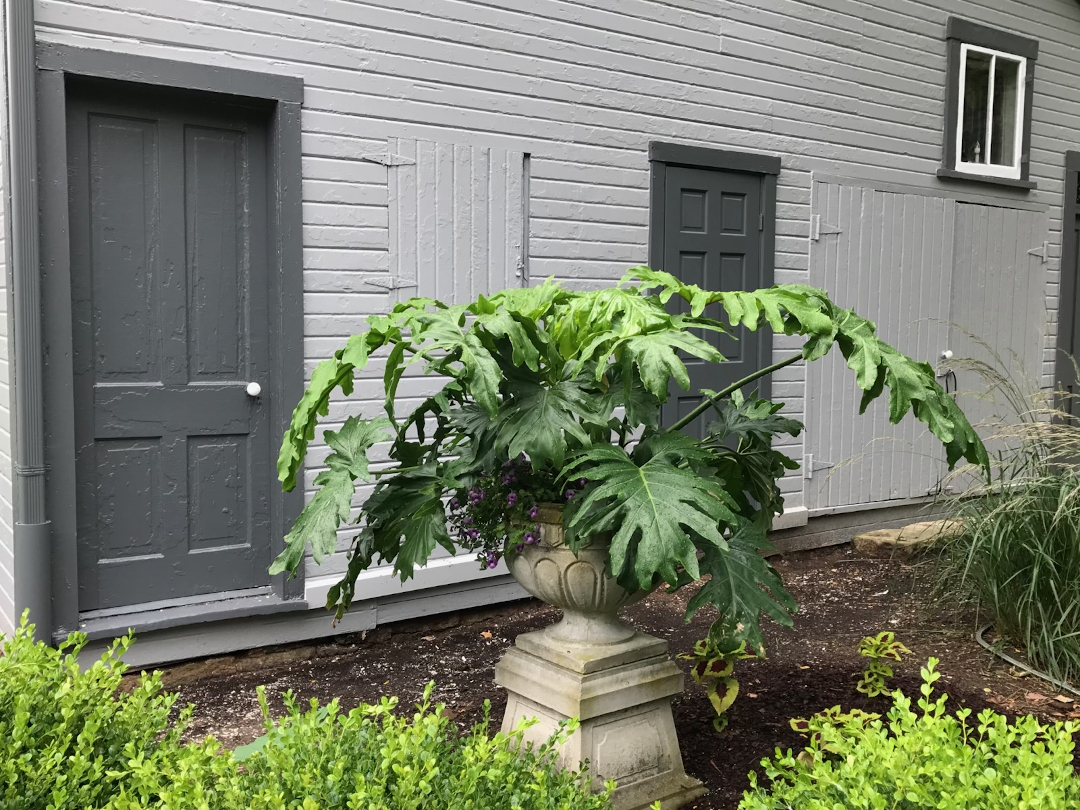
170	301
998	308
891	262
712	237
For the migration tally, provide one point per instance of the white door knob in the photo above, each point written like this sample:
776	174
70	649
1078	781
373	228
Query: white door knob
253	389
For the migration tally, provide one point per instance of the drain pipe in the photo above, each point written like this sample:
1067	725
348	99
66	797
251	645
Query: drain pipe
32	537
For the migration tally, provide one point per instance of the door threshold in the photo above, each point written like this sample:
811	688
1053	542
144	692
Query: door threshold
111	623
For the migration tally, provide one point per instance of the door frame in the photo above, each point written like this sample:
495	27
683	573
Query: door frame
281	97
1067	314
767	167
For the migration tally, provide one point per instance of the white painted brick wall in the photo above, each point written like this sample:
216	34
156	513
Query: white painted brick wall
841	87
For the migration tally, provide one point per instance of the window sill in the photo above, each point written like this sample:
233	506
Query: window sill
952	174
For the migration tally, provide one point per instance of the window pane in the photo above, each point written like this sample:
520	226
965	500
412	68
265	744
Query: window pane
1006	96
976	102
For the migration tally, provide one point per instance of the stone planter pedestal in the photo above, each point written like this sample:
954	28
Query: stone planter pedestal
617	681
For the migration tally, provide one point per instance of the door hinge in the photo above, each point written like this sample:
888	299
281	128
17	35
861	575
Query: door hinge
1043	252
761	222
387	159
817	230
809	465
390	283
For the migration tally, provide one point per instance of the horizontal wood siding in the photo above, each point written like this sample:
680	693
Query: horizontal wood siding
839	87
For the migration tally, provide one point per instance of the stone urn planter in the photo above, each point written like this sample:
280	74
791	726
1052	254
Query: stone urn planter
616	680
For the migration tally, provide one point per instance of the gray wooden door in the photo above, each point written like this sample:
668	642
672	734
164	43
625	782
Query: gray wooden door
170	303
998	311
712	236
889	256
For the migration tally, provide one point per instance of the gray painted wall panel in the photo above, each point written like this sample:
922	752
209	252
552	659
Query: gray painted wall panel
8	612
839	87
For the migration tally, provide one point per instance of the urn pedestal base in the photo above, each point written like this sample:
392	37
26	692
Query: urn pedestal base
622	695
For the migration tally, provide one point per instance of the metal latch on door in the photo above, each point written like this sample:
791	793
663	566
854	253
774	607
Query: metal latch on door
809	465
817	230
391	283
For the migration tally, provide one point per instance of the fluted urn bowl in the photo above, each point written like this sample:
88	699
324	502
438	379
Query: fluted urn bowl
579	584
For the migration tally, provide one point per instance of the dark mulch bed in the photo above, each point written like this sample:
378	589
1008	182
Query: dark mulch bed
843	597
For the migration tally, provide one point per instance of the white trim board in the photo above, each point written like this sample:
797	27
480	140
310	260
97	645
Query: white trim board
379	583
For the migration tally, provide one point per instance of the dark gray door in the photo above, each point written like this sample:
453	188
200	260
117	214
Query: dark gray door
713	236
170	303
1069	326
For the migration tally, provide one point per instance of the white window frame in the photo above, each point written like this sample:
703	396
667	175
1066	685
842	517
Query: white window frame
1013	171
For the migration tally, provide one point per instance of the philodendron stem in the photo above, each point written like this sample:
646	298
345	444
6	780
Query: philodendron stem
735	386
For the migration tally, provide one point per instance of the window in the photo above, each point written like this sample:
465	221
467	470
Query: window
988	104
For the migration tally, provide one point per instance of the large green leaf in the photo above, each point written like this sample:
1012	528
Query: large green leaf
742	437
545	422
756	420
406	518
656	356
337	372
659	508
316	527
742	586
797	309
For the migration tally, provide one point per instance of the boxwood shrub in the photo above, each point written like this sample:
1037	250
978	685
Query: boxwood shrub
927	759
369	758
71	739
67	734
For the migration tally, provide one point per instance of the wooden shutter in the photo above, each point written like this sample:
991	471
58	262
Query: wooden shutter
457	220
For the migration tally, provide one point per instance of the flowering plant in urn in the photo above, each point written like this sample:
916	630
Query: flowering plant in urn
550	416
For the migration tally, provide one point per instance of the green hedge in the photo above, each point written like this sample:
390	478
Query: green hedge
70	740
922	760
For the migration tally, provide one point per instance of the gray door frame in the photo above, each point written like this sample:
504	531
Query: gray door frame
766	167
282	97
1064	373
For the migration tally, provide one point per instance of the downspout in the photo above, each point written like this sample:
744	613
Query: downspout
32	541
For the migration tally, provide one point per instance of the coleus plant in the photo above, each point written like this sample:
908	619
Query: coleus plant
552	394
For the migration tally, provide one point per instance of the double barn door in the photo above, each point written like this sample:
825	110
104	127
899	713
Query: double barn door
934	274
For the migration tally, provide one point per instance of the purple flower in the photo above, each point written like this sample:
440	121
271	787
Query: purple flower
492	559
570	494
530	538
581	483
476	495
519	547
454	503
509	478
512	498
534	512
467	520
473	534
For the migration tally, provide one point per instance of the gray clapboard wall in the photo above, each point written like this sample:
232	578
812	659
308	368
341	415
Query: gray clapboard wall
8	616
888	256
842	87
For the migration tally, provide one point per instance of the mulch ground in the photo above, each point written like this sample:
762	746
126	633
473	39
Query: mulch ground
842	598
